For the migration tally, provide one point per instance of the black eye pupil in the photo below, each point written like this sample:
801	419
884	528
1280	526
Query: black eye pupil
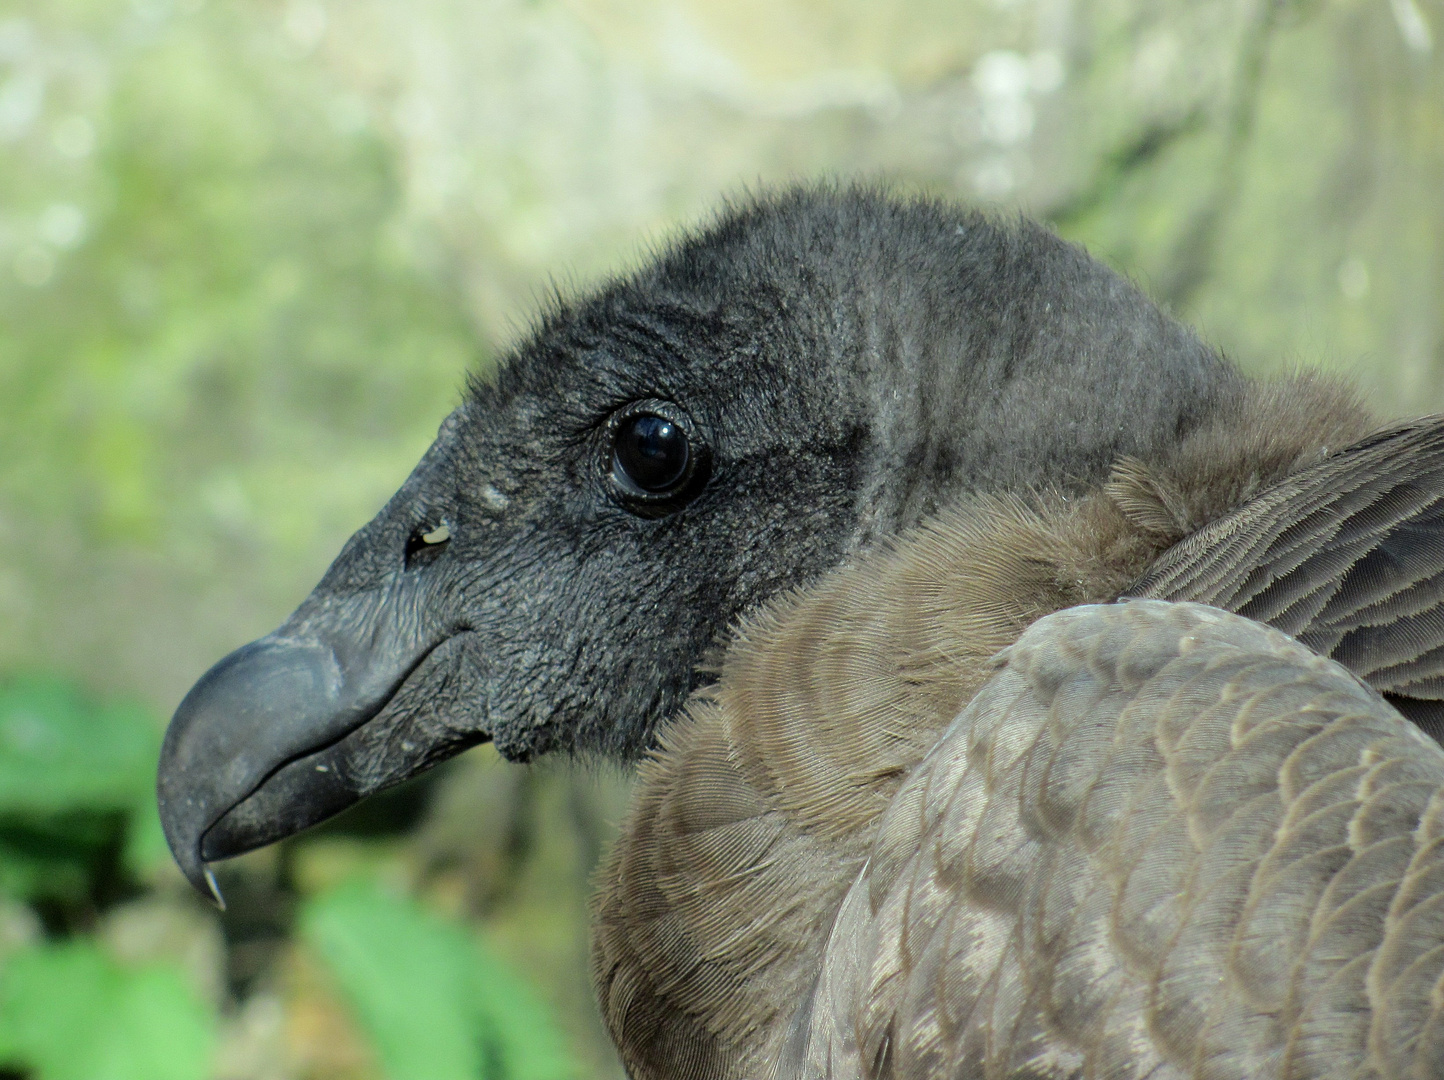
650	453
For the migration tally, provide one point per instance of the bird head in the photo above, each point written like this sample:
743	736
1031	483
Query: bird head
809	375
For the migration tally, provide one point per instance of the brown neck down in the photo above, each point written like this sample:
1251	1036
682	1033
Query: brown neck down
756	812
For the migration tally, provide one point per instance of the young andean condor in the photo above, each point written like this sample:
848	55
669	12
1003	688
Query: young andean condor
1076	694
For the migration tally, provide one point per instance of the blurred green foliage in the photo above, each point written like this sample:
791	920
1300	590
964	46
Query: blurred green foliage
227	303
70	1012
78	832
218	350
249	249
438	1004
76	789
76	783
52	740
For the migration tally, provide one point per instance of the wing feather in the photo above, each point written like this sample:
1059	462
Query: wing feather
1162	841
1347	556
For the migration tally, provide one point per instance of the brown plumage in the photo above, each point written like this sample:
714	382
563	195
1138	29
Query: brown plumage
1162	841
856	852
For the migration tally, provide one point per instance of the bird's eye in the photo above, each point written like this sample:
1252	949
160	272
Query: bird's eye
658	460
650	453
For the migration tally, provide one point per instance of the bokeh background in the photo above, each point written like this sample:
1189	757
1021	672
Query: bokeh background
248	250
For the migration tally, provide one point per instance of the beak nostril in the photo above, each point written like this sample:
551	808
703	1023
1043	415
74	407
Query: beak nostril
426	542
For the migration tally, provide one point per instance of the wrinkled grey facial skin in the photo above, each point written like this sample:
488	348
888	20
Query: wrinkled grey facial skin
579	621
843	365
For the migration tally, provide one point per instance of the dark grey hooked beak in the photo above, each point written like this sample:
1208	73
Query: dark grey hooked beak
278	735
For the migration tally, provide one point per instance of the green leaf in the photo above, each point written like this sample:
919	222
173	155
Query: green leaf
436	1005
55	857
529	1045
157	1030
77	777
145	843
61	752
69	1012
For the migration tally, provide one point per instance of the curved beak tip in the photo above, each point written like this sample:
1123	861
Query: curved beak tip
187	854
186	850
214	889
203	881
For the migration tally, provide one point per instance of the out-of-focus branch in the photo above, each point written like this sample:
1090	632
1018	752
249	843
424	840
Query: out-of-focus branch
1191	261
1129	159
